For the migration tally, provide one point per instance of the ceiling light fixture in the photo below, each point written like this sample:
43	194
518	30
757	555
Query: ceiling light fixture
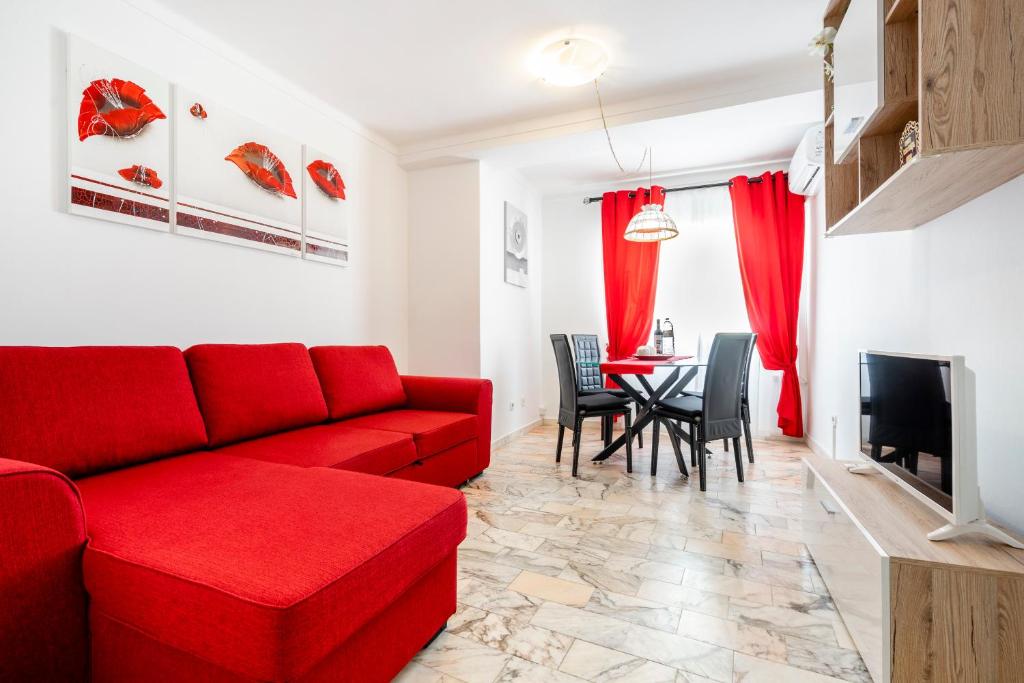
569	62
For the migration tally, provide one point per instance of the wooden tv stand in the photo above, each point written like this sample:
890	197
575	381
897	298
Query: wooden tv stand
917	610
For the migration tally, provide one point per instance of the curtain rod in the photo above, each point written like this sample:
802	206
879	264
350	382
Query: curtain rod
727	183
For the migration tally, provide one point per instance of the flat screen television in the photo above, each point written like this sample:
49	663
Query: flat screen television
917	427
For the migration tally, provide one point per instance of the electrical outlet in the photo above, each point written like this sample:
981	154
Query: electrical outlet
511	406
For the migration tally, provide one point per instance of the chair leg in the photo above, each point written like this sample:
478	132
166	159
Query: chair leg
693	446
654	448
746	436
558	448
606	430
726	442
739	459
576	448
640	438
698	431
629	441
677	449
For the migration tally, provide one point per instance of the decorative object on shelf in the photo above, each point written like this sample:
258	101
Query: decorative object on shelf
325	209
118	138
516	261
821	46
652	224
910	142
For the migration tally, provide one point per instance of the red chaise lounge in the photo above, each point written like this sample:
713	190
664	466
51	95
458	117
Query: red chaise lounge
233	513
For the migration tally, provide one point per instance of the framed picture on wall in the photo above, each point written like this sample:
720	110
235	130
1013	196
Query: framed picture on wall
516	261
235	178
119	156
326	208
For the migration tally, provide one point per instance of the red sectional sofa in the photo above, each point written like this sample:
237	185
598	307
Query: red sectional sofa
233	513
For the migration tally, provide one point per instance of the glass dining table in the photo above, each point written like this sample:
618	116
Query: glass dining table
683	370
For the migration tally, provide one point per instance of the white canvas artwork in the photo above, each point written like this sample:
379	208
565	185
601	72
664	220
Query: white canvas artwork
119	160
326	205
516	261
236	180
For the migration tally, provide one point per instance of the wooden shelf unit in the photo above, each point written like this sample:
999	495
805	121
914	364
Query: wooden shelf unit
950	65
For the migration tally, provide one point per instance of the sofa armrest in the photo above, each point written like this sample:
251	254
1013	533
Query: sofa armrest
458	395
43	631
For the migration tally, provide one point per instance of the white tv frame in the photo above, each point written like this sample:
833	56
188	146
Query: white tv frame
968	515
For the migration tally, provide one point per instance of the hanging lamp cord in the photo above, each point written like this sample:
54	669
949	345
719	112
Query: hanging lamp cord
608	135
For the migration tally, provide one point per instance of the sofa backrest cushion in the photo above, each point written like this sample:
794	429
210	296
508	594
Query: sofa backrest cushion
357	379
248	390
82	410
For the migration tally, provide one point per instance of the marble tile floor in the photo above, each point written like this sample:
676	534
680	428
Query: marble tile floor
625	577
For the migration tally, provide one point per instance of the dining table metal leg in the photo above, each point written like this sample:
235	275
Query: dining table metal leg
654	449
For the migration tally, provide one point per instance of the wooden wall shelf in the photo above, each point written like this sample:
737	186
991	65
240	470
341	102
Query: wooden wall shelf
952	66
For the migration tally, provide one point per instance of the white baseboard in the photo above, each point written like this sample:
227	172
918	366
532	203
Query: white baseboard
813	444
503	441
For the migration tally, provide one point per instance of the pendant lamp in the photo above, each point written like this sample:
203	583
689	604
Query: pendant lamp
652	224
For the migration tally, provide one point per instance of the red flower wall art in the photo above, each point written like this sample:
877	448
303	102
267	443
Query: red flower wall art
263	168
115	107
326	210
327	178
140	175
118	137
233	177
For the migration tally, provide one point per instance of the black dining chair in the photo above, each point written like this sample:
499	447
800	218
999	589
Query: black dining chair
590	380
718	414
744	403
574	408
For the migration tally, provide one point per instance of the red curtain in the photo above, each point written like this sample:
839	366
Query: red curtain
630	272
769	222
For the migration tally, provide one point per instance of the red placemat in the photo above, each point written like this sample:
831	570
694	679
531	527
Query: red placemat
633	366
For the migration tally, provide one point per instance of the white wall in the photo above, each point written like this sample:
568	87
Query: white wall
464	319
952	286
510	326
69	280
699	286
444	270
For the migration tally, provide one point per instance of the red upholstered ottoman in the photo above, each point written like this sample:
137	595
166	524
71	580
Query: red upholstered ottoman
213	567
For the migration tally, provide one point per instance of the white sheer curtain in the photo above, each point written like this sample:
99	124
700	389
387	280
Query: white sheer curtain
700	290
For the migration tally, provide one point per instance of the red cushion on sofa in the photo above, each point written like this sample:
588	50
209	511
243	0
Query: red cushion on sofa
432	430
86	409
260	568
372	451
357	379
248	390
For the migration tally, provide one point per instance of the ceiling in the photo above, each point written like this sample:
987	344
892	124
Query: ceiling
415	71
751	133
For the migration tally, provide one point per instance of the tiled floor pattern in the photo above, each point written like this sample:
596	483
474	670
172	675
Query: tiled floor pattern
616	577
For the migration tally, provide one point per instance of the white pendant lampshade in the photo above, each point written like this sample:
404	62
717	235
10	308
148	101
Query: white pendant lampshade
652	224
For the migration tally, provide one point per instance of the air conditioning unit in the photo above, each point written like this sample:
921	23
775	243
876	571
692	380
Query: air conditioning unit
808	165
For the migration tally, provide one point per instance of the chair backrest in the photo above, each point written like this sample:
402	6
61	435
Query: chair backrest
745	389
588	362
566	380
723	385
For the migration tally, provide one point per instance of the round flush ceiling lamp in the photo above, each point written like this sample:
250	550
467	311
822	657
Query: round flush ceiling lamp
569	62
652	224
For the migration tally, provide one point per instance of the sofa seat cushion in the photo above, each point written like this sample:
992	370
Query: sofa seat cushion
357	379
249	390
257	567
373	451
432	430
